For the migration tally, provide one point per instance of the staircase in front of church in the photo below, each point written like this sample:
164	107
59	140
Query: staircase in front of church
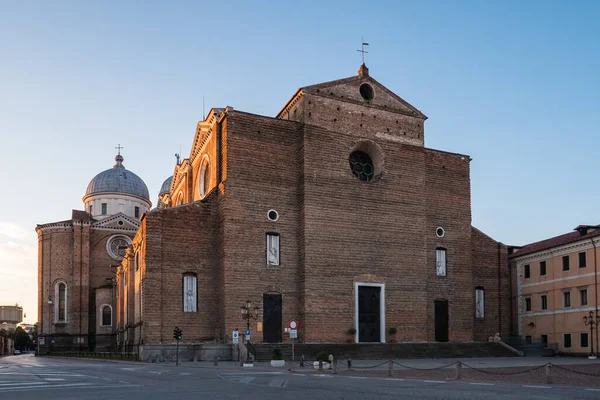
384	351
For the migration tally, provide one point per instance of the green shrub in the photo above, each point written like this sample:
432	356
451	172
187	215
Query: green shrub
323	356
277	355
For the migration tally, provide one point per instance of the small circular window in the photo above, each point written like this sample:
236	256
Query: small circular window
273	215
366	91
117	246
439	232
361	165
120	223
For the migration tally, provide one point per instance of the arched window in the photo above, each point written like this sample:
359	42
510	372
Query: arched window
479	302
106	316
190	297
204	177
60	310
179	199
440	261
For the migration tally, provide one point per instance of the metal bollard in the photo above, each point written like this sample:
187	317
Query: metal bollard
302	361
334	366
349	364
390	368
216	361
548	374
458	370
320	366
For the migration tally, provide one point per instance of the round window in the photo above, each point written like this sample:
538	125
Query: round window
117	246
366	91
440	232
361	165
272	215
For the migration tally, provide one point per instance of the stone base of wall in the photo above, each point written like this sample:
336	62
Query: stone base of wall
156	353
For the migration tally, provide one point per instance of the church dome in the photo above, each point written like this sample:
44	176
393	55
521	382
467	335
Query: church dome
166	186
118	180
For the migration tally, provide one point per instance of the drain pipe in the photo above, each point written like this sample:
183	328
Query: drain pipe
595	288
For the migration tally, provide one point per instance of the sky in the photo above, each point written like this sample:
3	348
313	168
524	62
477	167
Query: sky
513	84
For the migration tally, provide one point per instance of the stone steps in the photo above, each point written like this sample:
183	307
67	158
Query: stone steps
384	351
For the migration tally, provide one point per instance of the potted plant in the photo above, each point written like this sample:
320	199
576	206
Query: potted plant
277	358
323	357
351	332
392	332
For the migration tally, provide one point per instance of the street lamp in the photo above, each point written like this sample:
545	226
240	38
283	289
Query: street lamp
247	315
591	321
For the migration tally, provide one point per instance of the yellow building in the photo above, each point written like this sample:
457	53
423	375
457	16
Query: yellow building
555	285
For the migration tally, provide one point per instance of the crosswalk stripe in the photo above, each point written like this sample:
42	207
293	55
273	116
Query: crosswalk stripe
278	383
247	379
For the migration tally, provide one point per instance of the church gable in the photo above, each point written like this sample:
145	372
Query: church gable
118	222
366	91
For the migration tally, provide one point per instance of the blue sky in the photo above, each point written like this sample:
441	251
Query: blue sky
513	84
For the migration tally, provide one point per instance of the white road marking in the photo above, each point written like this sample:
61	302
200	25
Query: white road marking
393	379
54	379
357	377
22	383
593	390
537	387
278	383
324	376
247	379
481	384
185	373
435	381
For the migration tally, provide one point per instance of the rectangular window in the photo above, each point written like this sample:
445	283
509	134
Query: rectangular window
90	209
479	303
567	340
440	262
527	303
137	212
566	299
542	268
104	208
584	340
273	249
544	339
583	297
582	260
544	301
566	263
190	284
528	340
526	271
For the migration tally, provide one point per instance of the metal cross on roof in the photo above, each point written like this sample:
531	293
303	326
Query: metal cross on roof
363	50
119	147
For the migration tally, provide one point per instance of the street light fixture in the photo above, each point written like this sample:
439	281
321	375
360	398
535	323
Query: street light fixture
591	321
247	315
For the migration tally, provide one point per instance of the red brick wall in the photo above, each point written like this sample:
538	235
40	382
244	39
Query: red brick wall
491	271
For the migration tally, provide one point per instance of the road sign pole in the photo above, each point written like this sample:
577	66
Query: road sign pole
293	349
177	355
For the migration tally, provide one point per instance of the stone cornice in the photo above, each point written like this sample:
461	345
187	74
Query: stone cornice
556	251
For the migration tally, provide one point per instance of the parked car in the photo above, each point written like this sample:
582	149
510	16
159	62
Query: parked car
17	352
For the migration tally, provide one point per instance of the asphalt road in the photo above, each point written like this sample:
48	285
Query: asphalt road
28	377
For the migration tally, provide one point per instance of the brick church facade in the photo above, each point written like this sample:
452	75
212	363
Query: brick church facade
333	213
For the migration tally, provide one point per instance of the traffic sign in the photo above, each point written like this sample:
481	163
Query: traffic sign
293	324
235	337
293	334
247	332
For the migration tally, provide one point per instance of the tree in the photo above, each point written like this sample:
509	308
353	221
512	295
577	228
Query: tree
22	339
3	333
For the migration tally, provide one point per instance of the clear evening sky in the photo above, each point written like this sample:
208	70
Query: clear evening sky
513	84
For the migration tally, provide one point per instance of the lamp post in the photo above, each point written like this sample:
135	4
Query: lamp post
247	314
592	321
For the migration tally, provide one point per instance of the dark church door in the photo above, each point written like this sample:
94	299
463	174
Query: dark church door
441	320
272	318
369	314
